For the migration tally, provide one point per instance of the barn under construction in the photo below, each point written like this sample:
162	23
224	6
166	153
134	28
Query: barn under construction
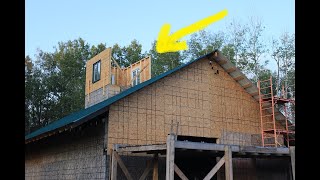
202	120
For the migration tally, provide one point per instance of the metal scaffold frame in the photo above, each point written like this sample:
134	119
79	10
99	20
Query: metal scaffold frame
270	130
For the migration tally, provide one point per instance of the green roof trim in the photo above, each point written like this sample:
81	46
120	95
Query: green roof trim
97	109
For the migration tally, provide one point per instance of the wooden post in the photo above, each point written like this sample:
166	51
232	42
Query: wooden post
215	169
219	172
109	165
115	62
228	163
105	146
113	166
122	166
146	171
180	173
170	158
155	167
293	163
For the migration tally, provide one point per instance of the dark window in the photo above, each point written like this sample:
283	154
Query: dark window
96	71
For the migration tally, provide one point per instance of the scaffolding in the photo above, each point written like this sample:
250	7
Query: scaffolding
274	130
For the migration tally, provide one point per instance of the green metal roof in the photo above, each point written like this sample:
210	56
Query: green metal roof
89	113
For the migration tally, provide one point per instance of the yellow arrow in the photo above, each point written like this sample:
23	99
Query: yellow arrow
170	43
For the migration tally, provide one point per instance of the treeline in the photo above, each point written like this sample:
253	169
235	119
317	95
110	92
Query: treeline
55	81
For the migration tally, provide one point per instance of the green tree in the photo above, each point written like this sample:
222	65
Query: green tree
265	74
283	52
236	49
55	84
68	82
203	42
28	92
118	55
127	55
35	97
229	51
162	62
96	50
277	57
255	48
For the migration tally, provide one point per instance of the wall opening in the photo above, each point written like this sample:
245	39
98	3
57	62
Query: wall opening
196	139
193	163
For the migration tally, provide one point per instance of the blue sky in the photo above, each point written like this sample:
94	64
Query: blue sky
102	21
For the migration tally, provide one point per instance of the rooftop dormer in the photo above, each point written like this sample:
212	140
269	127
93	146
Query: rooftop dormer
105	78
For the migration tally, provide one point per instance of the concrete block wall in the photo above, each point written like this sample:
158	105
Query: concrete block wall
77	155
97	96
245	139
236	138
256	140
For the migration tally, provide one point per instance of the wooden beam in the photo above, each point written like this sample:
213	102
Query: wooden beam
219	173
110	162
122	166
228	163
215	169
234	148
116	63
155	167
263	150
254	93
201	146
170	157
167	158
180	173
142	148
219	60
293	162
113	166
247	85
256	98
238	78
146	171
231	69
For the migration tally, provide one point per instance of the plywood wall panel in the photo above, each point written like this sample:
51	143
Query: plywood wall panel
205	108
